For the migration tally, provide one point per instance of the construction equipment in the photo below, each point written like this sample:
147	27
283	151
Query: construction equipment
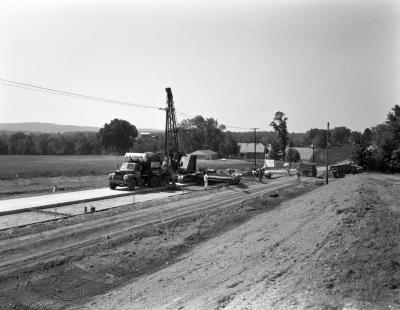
172	151
340	169
139	169
307	169
149	169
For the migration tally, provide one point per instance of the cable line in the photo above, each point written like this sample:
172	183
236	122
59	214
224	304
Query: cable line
74	95
93	98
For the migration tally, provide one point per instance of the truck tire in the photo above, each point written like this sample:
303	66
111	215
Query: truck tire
112	186
131	184
152	181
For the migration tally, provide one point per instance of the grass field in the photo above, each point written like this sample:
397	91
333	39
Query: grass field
34	166
31	166
336	154
38	174
53	166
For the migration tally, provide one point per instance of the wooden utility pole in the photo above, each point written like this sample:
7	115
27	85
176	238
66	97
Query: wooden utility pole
327	153
255	148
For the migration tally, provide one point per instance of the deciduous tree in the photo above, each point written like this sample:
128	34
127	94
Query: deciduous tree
118	136
279	124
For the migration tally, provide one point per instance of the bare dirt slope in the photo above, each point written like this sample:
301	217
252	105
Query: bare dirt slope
335	247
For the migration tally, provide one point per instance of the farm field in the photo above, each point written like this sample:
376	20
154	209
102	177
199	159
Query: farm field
38	174
34	166
336	154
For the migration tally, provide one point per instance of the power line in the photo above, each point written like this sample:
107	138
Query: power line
70	94
93	98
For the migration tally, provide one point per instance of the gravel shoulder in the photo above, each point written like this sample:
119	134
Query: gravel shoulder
332	248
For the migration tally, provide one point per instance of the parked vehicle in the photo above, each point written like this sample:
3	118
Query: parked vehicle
139	169
307	169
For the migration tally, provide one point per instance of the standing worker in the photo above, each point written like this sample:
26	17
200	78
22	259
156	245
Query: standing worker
298	175
205	180
261	175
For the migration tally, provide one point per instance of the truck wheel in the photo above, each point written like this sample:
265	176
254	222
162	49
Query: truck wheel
113	186
131	185
153	181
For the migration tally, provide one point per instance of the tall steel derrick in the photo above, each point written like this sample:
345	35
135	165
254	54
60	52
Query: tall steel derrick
171	132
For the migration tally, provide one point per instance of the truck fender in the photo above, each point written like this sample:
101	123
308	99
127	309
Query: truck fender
128	177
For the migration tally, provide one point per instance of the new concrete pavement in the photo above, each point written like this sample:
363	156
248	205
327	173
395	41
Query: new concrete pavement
15	205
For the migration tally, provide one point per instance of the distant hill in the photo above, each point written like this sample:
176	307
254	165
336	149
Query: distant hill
44	127
55	128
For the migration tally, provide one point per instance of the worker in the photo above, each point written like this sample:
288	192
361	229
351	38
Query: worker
298	175
165	164
205	180
260	174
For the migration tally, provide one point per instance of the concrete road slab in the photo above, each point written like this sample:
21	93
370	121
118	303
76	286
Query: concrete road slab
45	201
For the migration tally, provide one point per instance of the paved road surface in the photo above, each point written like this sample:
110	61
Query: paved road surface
20	204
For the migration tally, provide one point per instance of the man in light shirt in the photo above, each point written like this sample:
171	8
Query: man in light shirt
205	180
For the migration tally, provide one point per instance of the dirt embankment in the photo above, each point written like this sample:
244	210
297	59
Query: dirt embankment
336	247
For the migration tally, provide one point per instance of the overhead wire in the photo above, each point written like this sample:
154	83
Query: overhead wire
95	98
74	95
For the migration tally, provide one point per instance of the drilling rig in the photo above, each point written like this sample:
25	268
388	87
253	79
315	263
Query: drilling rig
179	163
172	151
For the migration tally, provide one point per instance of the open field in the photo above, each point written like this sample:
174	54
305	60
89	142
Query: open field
38	174
336	154
34	166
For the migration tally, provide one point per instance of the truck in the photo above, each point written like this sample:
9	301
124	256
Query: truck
139	169
340	169
307	169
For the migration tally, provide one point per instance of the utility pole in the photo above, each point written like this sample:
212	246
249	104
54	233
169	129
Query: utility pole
255	148
327	153
313	146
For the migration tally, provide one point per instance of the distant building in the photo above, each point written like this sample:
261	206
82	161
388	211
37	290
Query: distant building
147	136
247	150
205	154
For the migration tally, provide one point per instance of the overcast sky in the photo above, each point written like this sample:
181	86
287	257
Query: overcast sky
236	61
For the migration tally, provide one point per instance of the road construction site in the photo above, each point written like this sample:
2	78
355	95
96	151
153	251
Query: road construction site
251	245
66	260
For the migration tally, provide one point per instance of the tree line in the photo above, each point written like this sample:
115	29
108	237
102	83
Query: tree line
114	138
378	148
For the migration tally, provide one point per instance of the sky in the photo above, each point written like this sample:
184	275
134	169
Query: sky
236	61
